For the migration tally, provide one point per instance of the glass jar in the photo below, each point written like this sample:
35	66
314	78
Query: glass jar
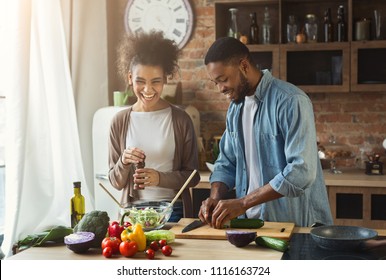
292	29
266	30
233	28
311	27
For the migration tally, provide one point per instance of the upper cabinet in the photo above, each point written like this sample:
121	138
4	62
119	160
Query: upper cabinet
299	41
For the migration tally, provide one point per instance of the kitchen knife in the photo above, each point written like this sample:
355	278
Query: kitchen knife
234	223
193	225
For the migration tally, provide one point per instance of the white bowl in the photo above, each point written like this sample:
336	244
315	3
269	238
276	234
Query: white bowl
210	166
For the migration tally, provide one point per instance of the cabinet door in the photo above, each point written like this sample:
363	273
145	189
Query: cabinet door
368	66
317	67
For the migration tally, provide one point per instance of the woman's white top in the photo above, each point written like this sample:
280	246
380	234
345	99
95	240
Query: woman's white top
153	133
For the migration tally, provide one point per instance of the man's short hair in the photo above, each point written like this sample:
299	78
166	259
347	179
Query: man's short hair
225	50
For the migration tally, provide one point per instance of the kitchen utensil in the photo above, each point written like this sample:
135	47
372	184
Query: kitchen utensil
179	193
234	223
272	229
116	201
345	238
193	225
334	151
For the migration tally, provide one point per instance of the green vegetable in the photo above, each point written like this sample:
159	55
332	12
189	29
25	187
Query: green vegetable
273	243
246	223
159	234
55	234
97	222
147	217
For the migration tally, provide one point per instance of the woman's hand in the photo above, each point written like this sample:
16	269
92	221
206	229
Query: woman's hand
146	177
133	155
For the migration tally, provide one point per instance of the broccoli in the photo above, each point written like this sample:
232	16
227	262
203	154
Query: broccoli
97	222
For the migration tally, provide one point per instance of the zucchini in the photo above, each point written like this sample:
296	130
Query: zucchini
246	223
273	243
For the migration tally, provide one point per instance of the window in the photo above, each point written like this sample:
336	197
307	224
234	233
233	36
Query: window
2	124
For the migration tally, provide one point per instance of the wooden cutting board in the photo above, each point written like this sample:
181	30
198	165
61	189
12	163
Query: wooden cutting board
272	229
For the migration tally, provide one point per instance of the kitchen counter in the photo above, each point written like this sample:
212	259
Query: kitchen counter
355	198
183	249
348	177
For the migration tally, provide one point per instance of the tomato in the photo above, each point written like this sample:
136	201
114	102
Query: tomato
167	250
112	242
162	243
154	246
128	248
150	254
107	252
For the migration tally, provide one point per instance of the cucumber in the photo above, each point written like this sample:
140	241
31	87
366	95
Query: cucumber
159	234
246	223
273	243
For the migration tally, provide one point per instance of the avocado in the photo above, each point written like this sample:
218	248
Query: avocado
79	242
240	238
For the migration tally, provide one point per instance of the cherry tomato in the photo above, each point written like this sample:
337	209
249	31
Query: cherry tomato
150	254
162	243
167	250
154	246
128	248
107	252
112	242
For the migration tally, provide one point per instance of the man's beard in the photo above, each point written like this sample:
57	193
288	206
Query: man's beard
243	89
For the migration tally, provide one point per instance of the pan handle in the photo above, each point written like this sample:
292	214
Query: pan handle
372	244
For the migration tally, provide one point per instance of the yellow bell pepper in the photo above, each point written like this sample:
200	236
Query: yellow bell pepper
125	234
138	236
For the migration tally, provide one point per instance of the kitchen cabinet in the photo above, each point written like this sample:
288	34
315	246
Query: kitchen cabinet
339	67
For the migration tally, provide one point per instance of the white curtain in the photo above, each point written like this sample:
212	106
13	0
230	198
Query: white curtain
42	153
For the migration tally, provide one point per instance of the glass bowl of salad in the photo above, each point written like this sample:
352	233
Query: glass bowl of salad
151	215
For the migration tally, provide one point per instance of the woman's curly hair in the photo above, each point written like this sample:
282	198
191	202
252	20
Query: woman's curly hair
147	49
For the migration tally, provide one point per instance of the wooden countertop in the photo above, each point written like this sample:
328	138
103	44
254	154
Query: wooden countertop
183	249
348	177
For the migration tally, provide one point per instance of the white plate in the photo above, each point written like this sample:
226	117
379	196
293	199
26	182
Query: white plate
210	166
384	143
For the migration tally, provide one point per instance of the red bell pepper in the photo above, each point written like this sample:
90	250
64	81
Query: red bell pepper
115	229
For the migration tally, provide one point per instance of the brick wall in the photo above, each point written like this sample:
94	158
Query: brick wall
355	119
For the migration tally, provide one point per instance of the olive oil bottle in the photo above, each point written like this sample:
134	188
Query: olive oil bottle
77	205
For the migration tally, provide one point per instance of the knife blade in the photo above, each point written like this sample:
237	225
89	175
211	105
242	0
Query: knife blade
193	225
234	223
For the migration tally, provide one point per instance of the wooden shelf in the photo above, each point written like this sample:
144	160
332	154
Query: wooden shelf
307	65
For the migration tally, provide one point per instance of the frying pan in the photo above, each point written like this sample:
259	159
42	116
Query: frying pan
345	238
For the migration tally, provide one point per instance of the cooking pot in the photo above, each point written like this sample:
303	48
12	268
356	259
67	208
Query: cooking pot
345	238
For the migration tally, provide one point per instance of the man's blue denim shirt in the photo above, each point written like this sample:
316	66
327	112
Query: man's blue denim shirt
286	145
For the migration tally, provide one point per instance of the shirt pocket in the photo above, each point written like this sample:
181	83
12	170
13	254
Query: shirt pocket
271	150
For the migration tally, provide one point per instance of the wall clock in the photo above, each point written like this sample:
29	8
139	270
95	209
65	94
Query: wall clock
173	17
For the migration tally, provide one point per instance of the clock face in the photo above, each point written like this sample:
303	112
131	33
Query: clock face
173	17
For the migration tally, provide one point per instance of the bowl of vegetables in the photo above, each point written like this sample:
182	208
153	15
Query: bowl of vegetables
150	215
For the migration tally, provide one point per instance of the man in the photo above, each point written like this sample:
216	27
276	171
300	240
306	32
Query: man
268	151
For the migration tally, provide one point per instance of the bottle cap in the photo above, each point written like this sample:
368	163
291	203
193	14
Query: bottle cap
76	184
